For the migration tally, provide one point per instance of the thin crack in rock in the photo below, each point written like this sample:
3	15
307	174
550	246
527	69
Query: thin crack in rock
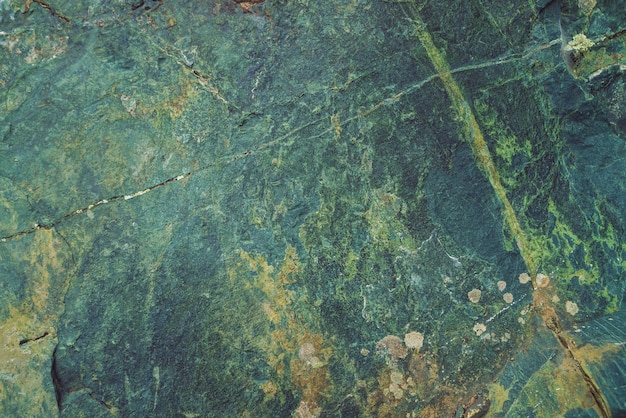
411	89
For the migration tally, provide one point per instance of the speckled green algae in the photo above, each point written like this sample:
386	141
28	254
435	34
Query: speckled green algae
259	286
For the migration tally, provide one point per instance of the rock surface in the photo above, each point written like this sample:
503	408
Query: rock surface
223	208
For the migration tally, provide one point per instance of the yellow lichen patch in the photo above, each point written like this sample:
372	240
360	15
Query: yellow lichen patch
28	334
382	216
23	369
386	401
308	369
399	386
291	346
270	312
425	373
270	389
44	262
265	280
290	266
498	396
336	124
588	353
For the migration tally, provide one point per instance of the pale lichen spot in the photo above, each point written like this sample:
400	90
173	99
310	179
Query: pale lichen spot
397	378
571	307
542	280
508	297
524	278
396	386
393	347
306	351
579	43
474	295
414	340
306	354
479	329
501	285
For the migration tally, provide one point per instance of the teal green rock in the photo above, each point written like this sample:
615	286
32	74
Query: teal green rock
312	209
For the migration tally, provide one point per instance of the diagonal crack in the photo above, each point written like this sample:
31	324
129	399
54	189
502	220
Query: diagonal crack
124	197
361	114
473	134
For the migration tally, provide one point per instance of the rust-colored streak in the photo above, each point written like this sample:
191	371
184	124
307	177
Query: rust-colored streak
246	5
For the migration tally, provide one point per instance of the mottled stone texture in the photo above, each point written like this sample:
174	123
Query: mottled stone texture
221	208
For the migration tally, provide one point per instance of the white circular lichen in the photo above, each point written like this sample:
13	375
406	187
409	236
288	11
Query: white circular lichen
571	307
414	340
479	329
306	351
474	295
524	278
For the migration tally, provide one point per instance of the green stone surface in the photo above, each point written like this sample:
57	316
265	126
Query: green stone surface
222	209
